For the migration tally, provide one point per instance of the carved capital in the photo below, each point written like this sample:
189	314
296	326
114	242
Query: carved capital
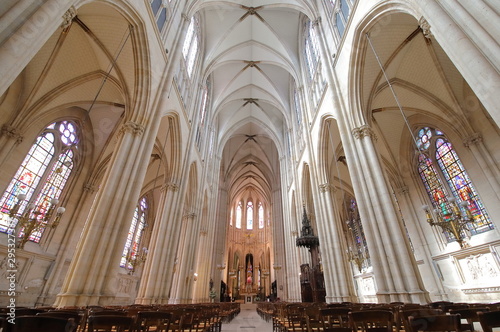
68	17
426	28
12	133
473	139
364	131
171	186
326	187
185	17
190	215
132	127
316	22
89	187
403	190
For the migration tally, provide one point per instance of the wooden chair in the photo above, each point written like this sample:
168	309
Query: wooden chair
111	323
489	320
372	320
77	317
43	324
335	317
469	315
313	318
153	321
435	323
403	315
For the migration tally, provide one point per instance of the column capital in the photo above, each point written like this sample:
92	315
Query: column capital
132	127
473	139
316	22
170	186
325	187
13	133
185	17
364	131
89	187
68	17
403	190
426	28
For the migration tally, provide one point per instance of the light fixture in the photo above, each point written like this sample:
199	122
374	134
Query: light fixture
134	260
31	220
221	266
451	219
277	266
195	276
358	257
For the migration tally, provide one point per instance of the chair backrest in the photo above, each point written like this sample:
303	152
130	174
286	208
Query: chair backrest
435	323
110	323
43	324
335	317
62	314
156	320
416	312
372	320
489	320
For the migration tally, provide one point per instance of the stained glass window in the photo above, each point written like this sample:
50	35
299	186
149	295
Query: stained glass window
250	215
311	49
444	176
239	208
356	240
202	114
261	215
133	245
191	44
41	178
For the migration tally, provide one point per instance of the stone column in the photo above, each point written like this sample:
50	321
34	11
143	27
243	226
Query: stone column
158	269
184	277
338	276
157	274
421	246
93	276
10	138
464	37
31	34
486	162
396	273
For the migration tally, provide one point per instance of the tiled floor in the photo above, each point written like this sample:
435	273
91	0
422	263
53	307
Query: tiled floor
248	321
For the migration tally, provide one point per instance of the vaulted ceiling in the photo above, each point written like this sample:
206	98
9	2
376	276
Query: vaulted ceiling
251	52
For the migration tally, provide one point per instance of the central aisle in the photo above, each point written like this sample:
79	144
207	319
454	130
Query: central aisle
247	321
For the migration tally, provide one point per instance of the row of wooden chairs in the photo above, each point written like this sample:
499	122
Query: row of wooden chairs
344	317
134	318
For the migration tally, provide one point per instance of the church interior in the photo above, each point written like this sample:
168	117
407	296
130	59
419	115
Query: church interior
168	152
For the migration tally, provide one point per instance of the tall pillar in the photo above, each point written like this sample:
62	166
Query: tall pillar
93	276
158	269
464	37
184	277
10	138
31	34
486	162
396	272
338	277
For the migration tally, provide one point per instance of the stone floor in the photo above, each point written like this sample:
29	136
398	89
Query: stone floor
248	321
